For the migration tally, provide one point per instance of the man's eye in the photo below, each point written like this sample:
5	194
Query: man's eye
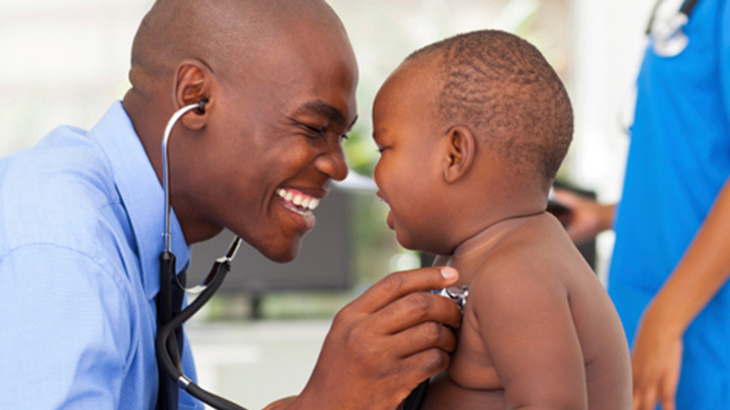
314	130
344	137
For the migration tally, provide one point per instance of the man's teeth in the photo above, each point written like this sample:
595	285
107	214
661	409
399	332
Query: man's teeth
299	199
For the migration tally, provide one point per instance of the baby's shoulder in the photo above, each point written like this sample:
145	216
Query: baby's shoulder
540	246
516	274
526	252
528	260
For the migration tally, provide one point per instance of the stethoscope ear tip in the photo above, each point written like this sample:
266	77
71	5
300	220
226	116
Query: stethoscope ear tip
201	105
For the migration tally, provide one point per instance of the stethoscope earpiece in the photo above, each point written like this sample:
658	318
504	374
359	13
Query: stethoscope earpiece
201	105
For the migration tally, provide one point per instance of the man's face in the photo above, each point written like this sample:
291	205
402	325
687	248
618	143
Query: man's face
407	174
275	139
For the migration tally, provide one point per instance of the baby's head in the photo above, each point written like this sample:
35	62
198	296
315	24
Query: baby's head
472	130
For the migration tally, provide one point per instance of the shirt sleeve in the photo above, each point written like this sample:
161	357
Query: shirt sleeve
64	331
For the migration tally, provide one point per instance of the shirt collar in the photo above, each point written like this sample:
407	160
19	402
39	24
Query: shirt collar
142	195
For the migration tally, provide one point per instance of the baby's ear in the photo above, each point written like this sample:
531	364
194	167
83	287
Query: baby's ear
461	148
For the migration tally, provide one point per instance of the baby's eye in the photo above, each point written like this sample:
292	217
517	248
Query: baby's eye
380	150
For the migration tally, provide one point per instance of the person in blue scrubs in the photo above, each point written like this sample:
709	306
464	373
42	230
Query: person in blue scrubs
671	261
81	213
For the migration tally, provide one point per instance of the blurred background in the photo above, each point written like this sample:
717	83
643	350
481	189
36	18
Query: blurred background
66	61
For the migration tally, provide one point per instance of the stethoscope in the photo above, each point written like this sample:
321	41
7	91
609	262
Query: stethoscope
669	40
167	344
668	33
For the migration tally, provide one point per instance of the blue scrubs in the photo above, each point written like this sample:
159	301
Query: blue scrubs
679	159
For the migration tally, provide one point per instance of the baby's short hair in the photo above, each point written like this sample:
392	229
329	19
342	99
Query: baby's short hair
503	89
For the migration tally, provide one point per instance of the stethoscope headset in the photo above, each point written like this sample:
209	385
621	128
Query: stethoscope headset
668	34
168	342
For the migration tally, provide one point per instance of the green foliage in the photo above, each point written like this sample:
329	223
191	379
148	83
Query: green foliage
362	153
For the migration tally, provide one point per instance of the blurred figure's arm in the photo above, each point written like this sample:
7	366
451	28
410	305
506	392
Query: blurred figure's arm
588	219
702	271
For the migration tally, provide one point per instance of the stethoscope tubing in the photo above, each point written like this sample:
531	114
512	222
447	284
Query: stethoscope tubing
166	165
166	347
686	9
222	267
688	6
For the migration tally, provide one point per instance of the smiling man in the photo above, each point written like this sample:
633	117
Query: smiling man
81	213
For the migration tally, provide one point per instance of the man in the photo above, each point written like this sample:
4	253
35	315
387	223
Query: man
671	264
81	213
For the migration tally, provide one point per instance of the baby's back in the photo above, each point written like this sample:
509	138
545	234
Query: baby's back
538	329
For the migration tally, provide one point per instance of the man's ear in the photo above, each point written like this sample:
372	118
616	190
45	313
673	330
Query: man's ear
194	83
461	148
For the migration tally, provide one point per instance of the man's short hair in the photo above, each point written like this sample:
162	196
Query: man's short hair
503	89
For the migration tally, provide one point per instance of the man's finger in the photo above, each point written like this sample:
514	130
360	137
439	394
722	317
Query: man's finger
423	337
426	363
416	308
399	284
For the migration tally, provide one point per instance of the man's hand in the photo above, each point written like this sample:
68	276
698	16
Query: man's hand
656	363
384	343
589	217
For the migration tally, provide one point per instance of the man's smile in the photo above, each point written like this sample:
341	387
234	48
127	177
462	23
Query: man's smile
297	201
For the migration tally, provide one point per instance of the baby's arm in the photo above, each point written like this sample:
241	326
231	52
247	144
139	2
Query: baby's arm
526	324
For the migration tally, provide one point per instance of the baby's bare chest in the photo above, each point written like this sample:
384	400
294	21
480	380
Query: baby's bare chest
471	364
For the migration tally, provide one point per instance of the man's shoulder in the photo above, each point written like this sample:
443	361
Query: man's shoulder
56	191
64	150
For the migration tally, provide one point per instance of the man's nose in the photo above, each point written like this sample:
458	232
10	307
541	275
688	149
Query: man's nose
332	162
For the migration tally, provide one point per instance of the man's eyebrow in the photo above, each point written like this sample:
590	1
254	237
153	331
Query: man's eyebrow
327	110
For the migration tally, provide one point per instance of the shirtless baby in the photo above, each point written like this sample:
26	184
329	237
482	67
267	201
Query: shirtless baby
472	131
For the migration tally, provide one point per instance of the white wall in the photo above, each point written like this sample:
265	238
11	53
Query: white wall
609	44
61	62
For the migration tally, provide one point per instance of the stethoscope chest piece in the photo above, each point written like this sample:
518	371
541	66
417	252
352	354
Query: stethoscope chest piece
454	293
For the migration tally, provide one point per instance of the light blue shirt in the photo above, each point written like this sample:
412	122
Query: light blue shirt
81	222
